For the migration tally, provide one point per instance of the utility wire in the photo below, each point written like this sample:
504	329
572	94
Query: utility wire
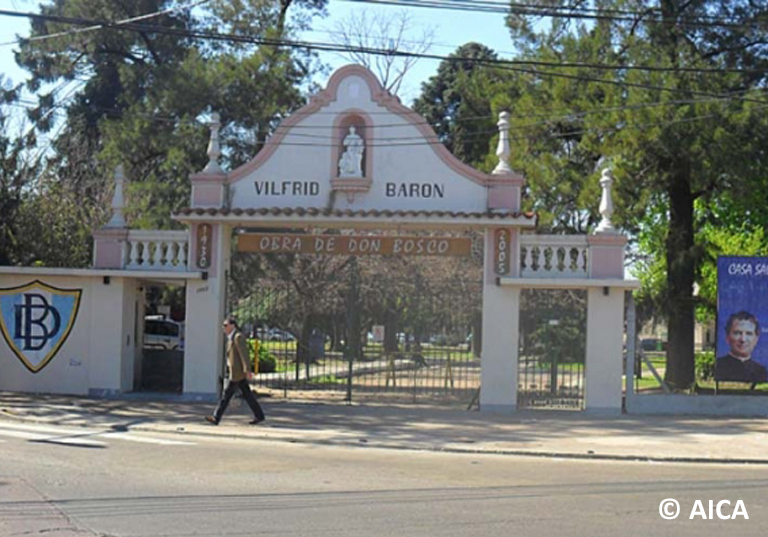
103	25
510	65
565	114
560	12
333	47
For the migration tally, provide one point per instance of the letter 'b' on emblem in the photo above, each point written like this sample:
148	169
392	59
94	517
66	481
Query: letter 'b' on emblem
36	320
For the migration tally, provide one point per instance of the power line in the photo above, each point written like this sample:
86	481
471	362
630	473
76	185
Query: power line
332	47
560	12
104	25
511	65
565	114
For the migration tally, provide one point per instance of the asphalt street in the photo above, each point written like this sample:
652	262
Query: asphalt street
58	481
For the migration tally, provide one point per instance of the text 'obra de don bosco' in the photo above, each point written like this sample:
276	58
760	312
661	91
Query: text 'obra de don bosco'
352	244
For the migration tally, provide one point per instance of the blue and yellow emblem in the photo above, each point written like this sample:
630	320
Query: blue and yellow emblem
36	320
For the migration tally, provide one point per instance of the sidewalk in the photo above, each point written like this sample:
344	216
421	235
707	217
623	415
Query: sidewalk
530	433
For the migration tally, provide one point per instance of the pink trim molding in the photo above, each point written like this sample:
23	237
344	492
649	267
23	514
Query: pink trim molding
386	100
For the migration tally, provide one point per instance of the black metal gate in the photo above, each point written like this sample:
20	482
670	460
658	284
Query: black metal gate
349	328
552	349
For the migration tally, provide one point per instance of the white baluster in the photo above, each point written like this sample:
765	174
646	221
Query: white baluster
546	258
145	253
170	255
134	259
536	266
164	254
560	259
181	255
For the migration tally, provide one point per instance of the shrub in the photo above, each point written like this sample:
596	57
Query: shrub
705	365
267	361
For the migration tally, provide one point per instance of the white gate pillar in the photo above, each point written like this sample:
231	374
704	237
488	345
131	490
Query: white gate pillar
604	367
501	322
205	307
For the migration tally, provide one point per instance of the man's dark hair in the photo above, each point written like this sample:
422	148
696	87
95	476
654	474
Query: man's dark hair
741	316
233	321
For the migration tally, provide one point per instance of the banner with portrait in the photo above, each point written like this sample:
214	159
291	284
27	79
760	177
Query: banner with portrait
742	319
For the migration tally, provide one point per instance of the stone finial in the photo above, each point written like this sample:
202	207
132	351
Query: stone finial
214	149
606	203
118	204
502	151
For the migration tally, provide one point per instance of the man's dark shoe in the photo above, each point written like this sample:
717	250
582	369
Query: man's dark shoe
255	421
211	420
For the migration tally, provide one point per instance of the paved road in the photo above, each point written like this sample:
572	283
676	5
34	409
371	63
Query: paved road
57	481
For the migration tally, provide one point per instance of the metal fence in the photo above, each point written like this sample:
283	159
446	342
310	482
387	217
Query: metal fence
552	349
356	337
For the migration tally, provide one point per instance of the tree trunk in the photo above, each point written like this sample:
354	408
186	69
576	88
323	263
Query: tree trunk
390	327
681	265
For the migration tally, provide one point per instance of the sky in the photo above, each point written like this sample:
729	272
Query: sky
451	30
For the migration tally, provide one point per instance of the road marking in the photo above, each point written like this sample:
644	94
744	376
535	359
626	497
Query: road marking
146	439
33	432
26	435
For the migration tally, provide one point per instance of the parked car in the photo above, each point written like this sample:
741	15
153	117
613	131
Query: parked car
162	333
653	344
274	334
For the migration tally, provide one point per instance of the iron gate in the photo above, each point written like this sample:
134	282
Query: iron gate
355	332
552	349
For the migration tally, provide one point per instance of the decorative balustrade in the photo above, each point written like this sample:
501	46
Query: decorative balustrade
553	256
156	250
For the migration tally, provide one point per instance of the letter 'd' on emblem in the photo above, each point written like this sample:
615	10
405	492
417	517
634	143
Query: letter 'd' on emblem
36	320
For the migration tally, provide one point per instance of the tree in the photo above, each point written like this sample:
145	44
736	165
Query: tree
19	169
461	124
135	91
687	128
362	31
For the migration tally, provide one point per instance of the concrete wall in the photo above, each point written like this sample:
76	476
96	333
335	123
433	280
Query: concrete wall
97	357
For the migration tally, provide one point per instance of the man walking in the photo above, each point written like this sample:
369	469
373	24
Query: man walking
239	365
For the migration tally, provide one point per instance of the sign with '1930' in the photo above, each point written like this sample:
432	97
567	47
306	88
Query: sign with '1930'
352	244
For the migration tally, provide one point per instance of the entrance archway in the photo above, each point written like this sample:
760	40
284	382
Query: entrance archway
394	317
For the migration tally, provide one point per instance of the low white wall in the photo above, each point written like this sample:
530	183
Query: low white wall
697	405
97	356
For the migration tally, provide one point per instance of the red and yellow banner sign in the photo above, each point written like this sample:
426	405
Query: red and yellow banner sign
352	244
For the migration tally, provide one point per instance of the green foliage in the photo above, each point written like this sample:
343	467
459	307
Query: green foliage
724	241
267	361
456	113
684	136
705	365
136	98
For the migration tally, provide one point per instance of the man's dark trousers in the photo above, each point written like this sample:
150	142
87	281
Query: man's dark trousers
229	391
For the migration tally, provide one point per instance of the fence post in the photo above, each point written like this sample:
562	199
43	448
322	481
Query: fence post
630	358
353	324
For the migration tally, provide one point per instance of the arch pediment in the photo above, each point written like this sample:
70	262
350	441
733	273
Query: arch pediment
354	146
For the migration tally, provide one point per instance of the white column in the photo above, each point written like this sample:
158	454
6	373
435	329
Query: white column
501	323
107	336
604	367
205	313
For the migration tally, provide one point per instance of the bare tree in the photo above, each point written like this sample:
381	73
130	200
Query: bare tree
389	31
